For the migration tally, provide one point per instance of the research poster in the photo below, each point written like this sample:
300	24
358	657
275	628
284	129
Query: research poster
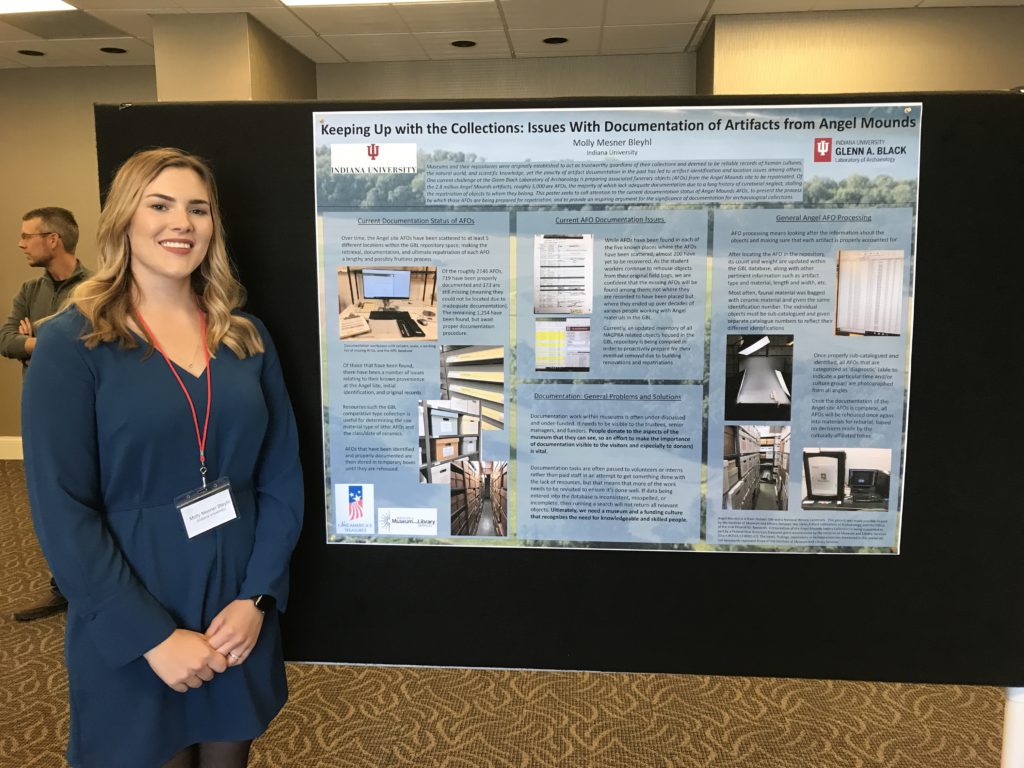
668	328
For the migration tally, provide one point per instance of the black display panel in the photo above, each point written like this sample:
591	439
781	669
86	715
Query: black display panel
941	611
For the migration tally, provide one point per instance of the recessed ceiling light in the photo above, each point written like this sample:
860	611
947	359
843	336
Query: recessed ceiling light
556	40
34	6
111	49
356	2
29	52
463	43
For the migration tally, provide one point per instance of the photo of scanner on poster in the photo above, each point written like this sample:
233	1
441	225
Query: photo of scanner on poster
758	377
850	479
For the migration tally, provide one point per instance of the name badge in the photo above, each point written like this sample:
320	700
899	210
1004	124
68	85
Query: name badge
207	508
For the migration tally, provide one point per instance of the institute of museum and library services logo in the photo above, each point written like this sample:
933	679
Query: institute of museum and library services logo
373	158
823	150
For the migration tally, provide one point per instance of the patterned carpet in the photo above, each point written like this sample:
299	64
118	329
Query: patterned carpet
374	717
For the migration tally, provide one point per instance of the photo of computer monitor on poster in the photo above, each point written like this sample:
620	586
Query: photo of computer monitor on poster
388	303
386	284
869	485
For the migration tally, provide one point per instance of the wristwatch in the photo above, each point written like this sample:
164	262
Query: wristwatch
264	602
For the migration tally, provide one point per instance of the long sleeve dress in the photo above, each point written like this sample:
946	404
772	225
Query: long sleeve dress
109	442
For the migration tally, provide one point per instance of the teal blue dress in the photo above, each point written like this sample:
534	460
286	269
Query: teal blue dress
109	442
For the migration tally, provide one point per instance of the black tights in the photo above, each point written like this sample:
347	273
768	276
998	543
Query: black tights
212	754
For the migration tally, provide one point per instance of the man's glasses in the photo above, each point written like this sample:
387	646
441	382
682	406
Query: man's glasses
27	235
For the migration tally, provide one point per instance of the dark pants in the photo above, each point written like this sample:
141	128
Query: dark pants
55	604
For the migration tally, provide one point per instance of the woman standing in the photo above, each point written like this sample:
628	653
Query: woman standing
163	474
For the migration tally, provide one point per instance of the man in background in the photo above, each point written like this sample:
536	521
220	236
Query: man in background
48	239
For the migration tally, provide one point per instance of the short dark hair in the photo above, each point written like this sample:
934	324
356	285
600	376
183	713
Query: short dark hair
58	220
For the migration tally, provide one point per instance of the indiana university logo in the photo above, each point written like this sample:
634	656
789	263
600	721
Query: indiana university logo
823	150
359	158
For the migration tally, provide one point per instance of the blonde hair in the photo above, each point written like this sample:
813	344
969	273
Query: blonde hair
106	299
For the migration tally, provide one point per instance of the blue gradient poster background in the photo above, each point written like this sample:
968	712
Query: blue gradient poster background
664	318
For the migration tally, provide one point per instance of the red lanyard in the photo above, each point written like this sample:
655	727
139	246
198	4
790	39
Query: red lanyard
200	438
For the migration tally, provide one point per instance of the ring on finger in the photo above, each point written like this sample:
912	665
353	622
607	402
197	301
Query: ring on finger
234	656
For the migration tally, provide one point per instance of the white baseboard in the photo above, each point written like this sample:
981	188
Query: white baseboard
10	448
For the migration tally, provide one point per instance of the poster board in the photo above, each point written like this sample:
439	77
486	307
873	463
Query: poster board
937	612
613	293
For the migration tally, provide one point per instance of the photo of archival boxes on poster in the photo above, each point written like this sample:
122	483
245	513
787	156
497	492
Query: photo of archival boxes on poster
452	430
450	454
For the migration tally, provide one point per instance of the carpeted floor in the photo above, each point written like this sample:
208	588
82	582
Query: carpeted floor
376	717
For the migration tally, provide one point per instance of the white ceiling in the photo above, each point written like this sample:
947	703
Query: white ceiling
501	29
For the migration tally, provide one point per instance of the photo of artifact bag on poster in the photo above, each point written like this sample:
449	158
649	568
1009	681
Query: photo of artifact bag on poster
659	328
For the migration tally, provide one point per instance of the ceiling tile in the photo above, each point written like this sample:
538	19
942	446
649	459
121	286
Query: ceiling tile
57	25
582	41
442	17
353	20
136	23
210	10
225	6
643	38
58	53
7	32
89	54
152	6
543	14
860	5
965	3
402	47
760	6
281	21
636	12
390	32
314	49
489	45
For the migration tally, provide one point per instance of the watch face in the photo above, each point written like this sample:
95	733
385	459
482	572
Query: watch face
264	602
